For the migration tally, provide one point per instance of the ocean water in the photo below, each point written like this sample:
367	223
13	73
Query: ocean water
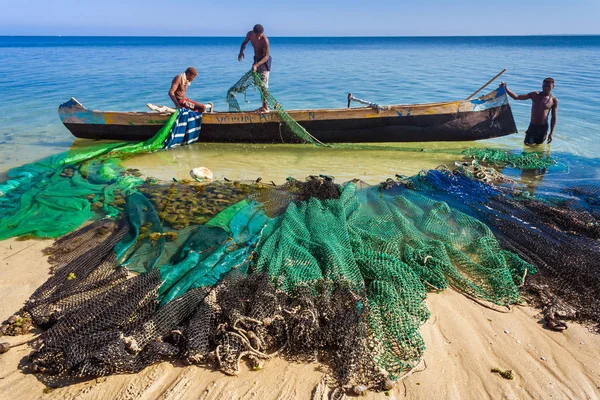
37	74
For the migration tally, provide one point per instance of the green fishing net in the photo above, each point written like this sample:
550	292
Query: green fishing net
525	160
300	269
392	249
253	79
56	195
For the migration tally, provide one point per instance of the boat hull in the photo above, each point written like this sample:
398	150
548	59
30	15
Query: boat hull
487	117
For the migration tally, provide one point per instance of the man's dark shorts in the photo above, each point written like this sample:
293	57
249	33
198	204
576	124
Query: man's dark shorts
536	134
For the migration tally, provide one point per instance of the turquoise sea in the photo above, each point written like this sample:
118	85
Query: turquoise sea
124	73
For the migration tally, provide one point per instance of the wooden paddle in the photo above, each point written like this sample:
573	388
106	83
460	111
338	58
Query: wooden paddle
484	86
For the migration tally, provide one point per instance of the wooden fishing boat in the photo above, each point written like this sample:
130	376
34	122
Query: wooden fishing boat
486	117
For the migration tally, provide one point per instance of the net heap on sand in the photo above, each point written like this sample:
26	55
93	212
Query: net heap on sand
229	272
308	270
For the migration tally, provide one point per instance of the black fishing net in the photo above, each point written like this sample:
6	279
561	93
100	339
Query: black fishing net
558	235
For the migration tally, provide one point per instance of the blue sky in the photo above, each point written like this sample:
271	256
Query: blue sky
299	18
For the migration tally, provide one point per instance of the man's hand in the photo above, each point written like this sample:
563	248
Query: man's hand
241	56
254	68
550	138
503	84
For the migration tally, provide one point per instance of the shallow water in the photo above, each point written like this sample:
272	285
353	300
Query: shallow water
37	74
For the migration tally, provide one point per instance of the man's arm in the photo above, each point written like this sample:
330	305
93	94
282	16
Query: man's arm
174	85
243	47
553	122
517	96
265	58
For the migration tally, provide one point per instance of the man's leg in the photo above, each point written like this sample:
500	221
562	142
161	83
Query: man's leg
529	135
265	79
536	134
192	105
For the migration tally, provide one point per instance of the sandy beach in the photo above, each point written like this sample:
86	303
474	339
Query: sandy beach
464	342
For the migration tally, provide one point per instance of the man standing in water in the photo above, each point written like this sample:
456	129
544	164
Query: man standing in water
262	57
542	103
178	91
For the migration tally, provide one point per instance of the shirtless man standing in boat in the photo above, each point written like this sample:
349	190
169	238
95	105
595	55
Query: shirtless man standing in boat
542	103
262	57
178	91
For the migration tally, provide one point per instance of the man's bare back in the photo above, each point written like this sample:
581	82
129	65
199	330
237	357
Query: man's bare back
178	91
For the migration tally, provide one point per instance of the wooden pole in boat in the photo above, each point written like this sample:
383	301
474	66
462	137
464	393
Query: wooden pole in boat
484	86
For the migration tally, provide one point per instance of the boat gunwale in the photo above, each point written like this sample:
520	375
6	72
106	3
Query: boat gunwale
295	111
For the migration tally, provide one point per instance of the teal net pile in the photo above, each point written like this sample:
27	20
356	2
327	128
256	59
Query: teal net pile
233	271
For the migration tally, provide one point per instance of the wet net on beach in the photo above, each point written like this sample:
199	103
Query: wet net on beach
307	270
228	273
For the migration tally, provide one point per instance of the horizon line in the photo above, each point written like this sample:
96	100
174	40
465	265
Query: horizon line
307	36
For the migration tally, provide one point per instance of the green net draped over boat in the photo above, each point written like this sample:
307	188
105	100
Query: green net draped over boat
57	194
253	79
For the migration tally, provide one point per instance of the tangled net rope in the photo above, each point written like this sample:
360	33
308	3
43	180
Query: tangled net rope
306	270
525	160
253	79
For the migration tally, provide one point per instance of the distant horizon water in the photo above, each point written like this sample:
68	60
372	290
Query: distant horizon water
315	36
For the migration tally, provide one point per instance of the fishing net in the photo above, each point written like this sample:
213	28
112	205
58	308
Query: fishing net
308	270
556	234
71	187
83	184
525	160
253	79
221	273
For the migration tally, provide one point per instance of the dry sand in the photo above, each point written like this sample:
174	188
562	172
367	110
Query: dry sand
464	341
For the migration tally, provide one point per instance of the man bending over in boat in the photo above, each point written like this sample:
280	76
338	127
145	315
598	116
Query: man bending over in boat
262	58
178	91
542	103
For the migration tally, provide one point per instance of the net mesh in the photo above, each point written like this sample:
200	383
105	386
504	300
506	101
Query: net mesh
556	234
253	79
309	270
525	160
71	187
